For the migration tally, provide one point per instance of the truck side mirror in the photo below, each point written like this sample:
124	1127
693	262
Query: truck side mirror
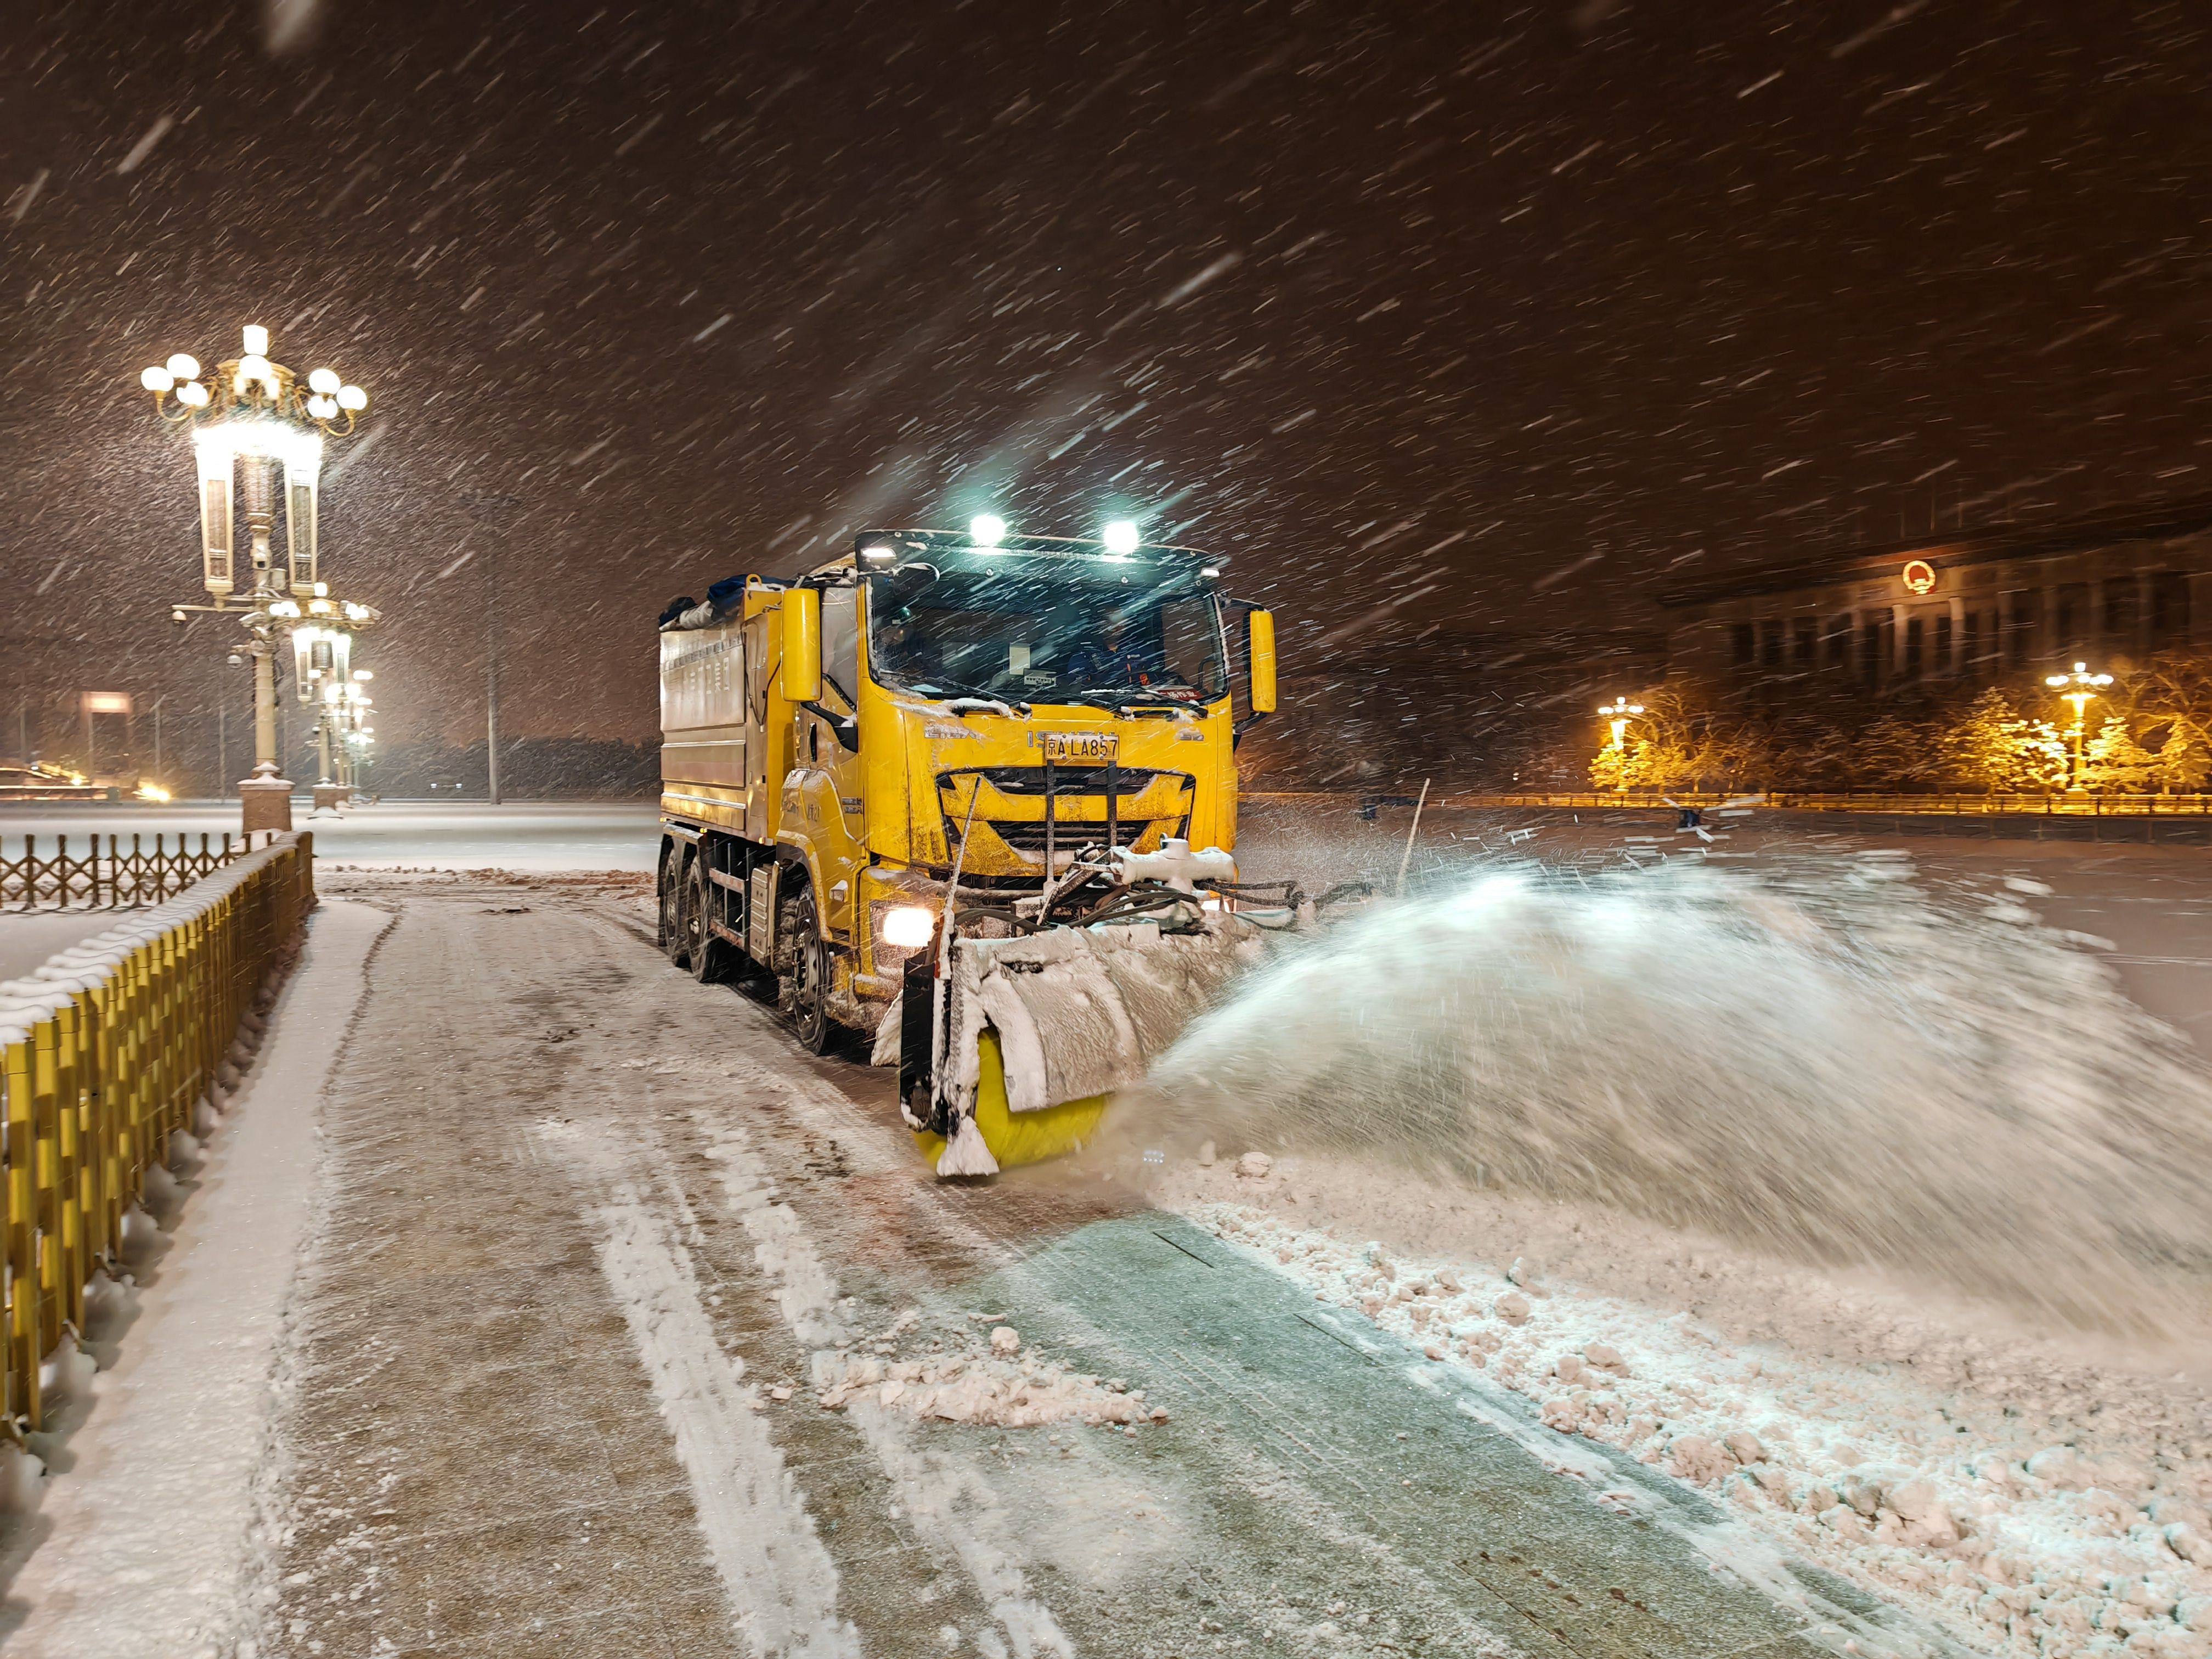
802	644
1261	625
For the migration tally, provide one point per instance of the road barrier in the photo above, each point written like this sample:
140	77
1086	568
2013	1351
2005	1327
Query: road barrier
121	877
105	1053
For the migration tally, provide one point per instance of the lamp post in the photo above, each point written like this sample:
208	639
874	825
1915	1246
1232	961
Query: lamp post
1618	711
249	420
2084	687
493	511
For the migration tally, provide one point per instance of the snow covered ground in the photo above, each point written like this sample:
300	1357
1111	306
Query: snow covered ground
1850	1183
621	1326
618	1324
397	835
28	938
2043	1495
151	1527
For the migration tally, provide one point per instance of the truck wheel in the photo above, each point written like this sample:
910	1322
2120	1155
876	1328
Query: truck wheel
810	973
710	959
672	903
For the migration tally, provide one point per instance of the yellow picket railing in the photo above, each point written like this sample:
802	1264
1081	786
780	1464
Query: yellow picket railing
105	1053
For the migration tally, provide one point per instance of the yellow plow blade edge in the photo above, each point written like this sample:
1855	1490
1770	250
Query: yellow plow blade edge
1020	1137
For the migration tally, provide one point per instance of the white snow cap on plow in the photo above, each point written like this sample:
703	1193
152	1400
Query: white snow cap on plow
1175	864
1083	1010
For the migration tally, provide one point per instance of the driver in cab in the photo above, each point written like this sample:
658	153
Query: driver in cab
1108	662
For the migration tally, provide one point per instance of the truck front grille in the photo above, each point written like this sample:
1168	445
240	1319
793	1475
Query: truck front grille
1028	838
1068	780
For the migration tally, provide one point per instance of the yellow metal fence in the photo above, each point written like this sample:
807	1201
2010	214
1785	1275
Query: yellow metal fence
105	1053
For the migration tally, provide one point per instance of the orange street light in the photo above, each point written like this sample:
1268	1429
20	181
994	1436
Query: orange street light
1619	710
2084	687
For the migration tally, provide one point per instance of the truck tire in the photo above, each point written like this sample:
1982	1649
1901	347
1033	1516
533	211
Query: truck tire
672	874
709	958
809	998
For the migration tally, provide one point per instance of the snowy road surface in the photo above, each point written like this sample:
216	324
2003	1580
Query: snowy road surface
28	938
625	1328
146	1541
619	1325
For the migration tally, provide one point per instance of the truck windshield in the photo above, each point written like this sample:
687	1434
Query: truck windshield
1046	631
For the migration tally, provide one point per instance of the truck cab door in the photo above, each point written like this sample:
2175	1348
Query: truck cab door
830	749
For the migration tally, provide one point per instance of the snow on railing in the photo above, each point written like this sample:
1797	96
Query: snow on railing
106	1051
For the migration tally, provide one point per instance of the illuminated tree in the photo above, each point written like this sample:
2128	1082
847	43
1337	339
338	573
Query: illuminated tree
2181	763
1613	767
2113	761
1995	747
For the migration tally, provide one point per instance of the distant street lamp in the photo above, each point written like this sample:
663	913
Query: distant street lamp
2084	692
1620	709
343	727
250	419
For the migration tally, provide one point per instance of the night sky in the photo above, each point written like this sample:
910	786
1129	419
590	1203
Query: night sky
1444	317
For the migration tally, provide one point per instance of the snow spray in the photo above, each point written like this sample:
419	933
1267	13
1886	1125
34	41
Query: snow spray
1828	1057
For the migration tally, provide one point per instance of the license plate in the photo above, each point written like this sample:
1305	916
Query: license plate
1082	748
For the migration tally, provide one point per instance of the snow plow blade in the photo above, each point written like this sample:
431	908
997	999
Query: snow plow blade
1013	1039
1035	1033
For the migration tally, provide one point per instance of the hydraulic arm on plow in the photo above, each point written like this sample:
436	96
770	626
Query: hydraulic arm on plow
947	789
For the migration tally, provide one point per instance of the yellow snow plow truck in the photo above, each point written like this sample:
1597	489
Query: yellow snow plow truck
974	794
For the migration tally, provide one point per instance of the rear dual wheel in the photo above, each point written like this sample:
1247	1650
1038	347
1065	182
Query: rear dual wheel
686	902
708	956
673	873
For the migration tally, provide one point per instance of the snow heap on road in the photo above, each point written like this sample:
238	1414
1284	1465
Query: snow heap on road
998	1383
2039	1501
1873	1208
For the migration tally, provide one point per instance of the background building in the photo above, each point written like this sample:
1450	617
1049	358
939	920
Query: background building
1975	606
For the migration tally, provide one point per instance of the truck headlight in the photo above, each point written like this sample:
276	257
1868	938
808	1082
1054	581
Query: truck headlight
908	926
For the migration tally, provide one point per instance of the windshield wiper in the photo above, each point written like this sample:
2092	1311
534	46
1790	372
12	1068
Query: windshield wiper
1115	697
936	693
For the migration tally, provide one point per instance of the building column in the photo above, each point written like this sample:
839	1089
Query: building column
1897	621
1958	635
2146	591
2200	606
2047	645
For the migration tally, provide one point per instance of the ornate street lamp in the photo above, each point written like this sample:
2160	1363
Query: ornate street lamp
2085	687
252	420
343	730
1618	711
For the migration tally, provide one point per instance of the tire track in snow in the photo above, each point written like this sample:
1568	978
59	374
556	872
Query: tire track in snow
781	1583
949	1492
